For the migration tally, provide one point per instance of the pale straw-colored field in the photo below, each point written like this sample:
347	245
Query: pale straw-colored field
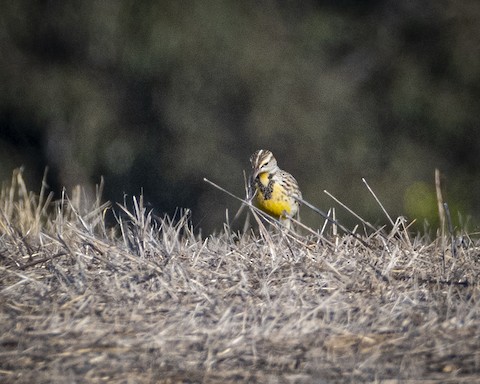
148	301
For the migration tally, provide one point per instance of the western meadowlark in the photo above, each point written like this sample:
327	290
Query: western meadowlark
274	190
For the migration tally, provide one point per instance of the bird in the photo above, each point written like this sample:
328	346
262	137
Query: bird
273	190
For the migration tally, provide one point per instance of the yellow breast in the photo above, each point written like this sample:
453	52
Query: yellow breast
277	203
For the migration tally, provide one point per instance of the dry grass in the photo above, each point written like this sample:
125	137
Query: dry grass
148	301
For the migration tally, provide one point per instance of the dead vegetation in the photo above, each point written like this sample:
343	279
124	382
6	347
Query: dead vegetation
148	301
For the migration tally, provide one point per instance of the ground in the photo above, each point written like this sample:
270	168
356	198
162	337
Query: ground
148	300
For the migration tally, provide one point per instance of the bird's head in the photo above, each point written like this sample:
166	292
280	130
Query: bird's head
263	161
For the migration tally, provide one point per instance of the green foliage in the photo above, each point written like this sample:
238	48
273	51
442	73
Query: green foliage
158	95
420	200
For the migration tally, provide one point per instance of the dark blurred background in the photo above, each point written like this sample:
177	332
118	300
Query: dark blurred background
159	94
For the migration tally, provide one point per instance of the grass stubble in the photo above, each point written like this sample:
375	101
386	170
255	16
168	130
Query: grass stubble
148	300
